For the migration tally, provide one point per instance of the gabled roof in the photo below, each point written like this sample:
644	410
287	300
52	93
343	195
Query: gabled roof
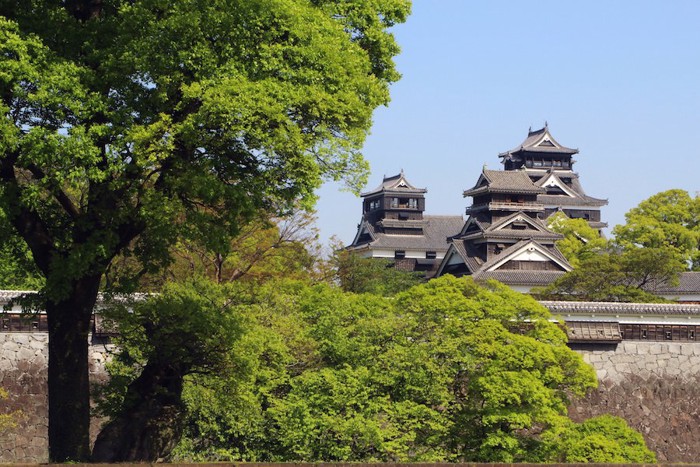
363	228
457	249
539	141
395	184
490	269
535	223
500	229
526	247
504	181
574	194
472	221
551	179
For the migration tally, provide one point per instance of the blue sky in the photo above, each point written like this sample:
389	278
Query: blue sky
619	80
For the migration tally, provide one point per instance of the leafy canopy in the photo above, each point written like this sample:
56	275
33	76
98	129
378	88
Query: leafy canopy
580	241
670	219
128	126
176	120
448	370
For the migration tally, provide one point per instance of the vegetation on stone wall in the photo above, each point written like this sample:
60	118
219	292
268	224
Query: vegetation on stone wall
7	420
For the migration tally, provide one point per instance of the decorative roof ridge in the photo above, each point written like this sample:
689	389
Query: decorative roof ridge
506	220
555	255
535	138
393	183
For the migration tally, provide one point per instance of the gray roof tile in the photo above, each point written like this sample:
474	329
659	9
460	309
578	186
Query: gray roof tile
533	278
436	229
689	282
505	181
559	307
396	183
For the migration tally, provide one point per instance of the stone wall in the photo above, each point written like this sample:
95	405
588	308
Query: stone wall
24	359
654	386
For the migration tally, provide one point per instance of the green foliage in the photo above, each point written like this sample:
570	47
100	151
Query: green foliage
603	439
448	370
17	268
372	275
627	276
157	122
580	241
128	126
670	219
188	328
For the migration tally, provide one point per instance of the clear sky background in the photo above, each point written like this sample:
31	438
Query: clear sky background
618	80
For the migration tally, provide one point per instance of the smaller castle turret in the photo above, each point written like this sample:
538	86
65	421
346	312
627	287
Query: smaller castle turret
394	226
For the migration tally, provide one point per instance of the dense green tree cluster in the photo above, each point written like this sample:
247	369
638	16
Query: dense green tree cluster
657	243
446	371
666	220
130	125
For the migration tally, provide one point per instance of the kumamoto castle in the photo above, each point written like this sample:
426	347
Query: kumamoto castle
647	356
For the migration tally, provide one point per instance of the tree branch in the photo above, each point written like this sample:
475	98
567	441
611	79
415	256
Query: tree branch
26	221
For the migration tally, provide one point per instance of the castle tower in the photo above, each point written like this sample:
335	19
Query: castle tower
504	237
394	226
550	166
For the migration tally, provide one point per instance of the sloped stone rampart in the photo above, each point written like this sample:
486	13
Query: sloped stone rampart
24	358
654	386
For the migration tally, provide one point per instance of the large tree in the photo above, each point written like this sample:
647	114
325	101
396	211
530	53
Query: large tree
128	124
669	219
446	371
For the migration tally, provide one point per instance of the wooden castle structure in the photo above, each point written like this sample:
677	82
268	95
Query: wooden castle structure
505	236
394	227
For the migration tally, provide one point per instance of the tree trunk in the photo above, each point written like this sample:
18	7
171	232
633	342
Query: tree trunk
150	423
68	381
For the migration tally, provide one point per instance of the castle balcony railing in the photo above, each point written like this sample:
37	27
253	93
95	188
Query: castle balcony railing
506	206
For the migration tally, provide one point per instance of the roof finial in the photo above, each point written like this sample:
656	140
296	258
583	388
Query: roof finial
402	171
529	130
545	124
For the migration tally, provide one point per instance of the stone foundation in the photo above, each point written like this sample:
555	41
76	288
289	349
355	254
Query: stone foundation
654	386
24	358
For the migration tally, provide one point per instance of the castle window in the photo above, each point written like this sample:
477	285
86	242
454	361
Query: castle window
691	334
399	254
394	202
668	335
430	255
403	216
413	203
644	333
